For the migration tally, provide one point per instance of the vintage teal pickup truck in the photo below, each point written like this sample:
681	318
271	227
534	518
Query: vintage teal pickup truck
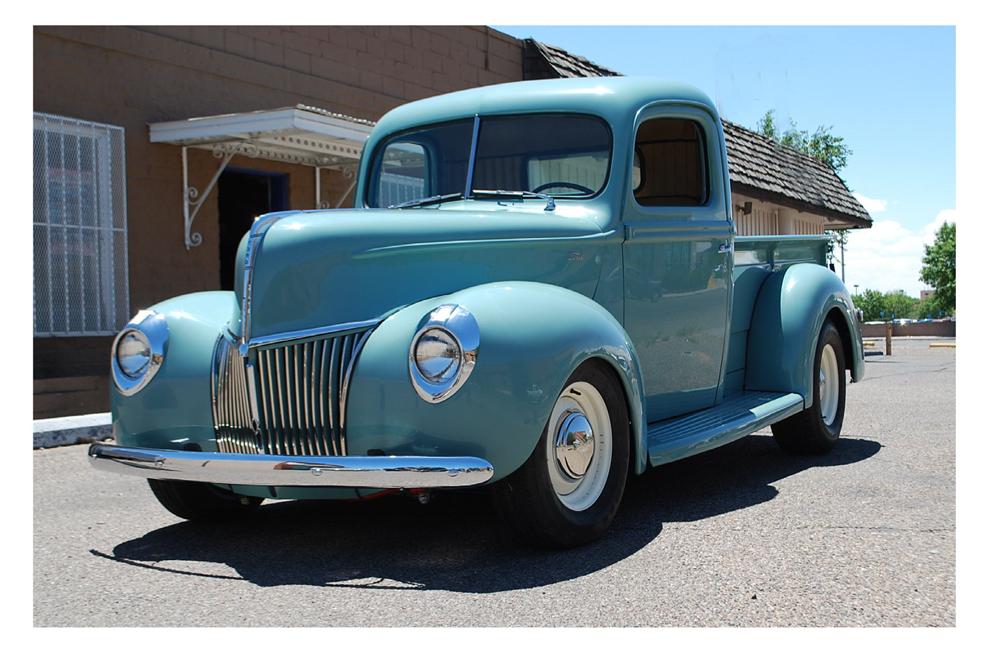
538	290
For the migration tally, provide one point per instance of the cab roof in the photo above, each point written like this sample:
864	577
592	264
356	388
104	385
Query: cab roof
613	98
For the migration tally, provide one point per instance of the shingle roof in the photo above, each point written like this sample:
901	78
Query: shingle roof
758	166
757	163
566	64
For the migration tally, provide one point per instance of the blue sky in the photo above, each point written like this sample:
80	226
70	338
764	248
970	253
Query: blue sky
889	91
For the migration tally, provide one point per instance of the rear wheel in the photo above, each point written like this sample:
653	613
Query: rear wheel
201	501
568	491
817	429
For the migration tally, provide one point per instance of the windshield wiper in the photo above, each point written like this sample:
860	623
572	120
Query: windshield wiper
433	199
550	202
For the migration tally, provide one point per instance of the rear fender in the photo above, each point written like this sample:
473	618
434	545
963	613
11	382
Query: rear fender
791	308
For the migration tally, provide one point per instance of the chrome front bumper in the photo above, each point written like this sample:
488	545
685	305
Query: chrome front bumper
388	471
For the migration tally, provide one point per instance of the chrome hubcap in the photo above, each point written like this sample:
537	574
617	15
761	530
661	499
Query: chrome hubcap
574	444
578	453
829	385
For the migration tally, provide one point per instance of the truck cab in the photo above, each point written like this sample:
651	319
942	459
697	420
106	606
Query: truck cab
539	289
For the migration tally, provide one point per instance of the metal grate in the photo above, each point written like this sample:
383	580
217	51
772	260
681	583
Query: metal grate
80	231
301	392
397	188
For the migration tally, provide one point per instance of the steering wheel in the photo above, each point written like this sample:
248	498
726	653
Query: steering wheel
564	184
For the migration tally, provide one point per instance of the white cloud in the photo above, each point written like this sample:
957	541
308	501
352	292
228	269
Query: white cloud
873	205
888	256
945	215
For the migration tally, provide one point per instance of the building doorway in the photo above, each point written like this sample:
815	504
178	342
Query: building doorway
243	196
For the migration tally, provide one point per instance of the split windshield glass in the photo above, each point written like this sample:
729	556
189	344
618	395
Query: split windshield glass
562	155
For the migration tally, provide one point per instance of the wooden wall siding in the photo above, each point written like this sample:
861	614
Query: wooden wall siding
805	226
760	221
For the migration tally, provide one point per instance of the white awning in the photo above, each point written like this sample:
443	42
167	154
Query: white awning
301	135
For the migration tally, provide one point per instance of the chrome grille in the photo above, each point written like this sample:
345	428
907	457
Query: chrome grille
300	391
234	431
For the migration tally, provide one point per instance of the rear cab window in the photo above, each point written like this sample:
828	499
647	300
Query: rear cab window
669	166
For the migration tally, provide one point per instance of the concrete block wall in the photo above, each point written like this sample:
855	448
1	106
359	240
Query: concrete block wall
132	76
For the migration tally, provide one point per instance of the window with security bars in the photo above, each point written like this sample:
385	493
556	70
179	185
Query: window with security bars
80	232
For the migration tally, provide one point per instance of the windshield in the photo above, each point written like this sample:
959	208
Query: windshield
562	155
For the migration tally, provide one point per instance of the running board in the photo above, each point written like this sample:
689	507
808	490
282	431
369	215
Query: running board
704	430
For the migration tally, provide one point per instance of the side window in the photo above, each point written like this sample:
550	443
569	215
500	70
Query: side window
403	174
669	164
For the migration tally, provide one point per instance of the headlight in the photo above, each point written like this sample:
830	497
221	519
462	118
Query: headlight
133	353
443	352
137	352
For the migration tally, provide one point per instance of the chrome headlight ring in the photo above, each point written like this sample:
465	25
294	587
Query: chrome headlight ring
149	328
443	352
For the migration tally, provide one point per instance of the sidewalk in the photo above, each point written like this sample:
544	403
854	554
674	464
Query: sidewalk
71	429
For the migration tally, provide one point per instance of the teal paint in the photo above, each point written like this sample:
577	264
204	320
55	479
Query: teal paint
791	308
734	419
678	285
549	289
532	338
175	408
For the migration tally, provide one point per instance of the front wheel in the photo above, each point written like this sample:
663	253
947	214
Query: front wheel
568	491
201	501
816	429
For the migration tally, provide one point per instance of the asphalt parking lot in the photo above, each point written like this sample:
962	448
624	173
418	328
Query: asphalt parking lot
743	535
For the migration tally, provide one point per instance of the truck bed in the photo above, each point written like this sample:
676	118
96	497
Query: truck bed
754	259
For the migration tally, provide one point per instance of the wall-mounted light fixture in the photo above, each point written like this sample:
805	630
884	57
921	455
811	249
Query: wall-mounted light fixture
746	208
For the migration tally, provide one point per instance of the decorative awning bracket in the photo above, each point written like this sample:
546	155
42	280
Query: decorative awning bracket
349	172
300	135
193	199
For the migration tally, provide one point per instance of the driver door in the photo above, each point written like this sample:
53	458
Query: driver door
678	259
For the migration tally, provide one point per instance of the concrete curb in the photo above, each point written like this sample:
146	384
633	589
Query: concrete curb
67	430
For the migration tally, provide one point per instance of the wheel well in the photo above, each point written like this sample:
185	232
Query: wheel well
837	318
617	374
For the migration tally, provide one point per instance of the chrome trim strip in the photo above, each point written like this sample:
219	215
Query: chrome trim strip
254	240
345	384
302	336
250	373
472	158
387	471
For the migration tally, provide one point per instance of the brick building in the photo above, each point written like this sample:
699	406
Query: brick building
155	147
110	203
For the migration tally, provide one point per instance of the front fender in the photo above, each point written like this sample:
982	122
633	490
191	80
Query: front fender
791	308
176	406
532	337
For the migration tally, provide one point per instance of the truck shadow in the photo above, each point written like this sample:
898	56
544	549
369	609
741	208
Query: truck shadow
456	542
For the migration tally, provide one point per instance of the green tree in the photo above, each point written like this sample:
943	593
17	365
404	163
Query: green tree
885	306
872	303
821	143
939	268
900	305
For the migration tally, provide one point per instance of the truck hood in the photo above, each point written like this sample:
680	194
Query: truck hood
315	269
